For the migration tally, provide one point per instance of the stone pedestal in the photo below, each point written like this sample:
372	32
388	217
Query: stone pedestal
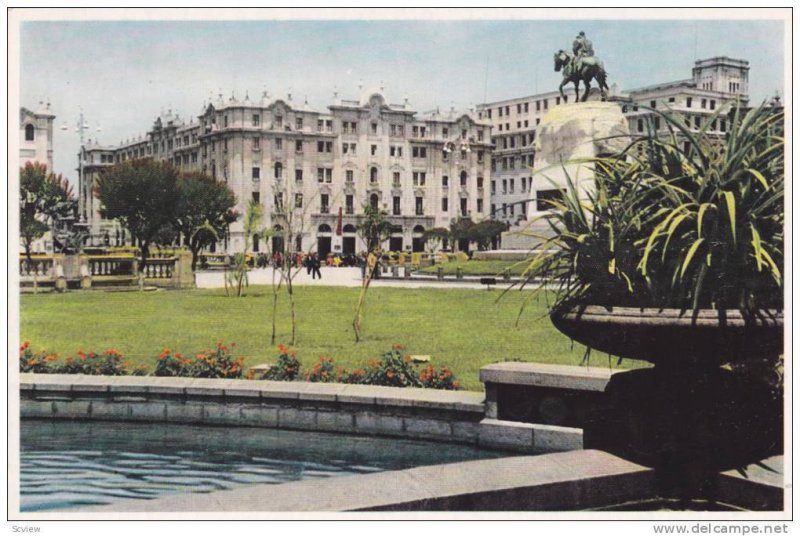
567	135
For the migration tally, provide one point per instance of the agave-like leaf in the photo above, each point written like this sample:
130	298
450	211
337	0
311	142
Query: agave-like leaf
692	250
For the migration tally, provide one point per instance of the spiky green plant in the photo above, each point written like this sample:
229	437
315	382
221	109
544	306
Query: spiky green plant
684	219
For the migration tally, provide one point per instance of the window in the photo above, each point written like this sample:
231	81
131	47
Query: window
374	128
445	181
279	121
256	173
558	101
418	206
519	108
373	150
324	146
658	123
348	174
396	151
444	204
256	144
345	147
256	120
298	146
538	106
480	133
652	104
278	144
320	174
445	132
396	205
463	179
348	204
373	175
418	178
463	206
722	126
396	179
373	201
500	112
324	207
480	182
712	104
671	99
511	186
298	123
505	186
278	170
640	125
480	206
697	122
419	152
256	197
480	157
688	102
298	175
507	112
320	125
298	200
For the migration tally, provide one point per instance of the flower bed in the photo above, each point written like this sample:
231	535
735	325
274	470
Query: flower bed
392	369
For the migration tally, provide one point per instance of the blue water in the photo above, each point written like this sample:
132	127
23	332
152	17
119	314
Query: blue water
66	464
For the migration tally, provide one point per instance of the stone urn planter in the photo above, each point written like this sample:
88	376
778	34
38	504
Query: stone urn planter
671	337
687	417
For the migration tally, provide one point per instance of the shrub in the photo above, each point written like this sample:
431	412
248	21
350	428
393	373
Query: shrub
287	368
393	369
30	361
217	363
169	364
438	379
325	371
109	363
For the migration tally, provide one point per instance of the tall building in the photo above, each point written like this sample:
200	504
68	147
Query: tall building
36	135
424	169
715	83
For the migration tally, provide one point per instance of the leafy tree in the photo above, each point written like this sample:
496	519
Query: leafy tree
143	196
374	229
252	225
44	198
205	210
434	238
461	229
485	232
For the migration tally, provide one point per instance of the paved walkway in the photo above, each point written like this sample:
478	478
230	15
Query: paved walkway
337	277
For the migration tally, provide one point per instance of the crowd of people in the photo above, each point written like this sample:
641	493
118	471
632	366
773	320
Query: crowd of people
312	262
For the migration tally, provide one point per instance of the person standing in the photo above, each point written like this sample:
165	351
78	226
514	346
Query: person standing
315	265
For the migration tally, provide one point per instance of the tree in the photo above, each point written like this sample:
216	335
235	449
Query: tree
434	238
253	217
205	210
485	232
374	228
460	229
44	198
143	196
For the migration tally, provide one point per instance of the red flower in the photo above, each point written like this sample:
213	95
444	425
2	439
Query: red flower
25	345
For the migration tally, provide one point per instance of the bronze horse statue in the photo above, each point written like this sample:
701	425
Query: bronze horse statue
588	68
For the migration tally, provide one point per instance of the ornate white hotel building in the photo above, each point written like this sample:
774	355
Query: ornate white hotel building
715	82
424	170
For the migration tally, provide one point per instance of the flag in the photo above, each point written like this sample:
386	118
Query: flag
339	223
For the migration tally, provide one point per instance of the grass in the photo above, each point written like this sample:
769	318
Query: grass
479	267
461	329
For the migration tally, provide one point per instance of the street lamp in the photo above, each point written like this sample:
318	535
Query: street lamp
81	128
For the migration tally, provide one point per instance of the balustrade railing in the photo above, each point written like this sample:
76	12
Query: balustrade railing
160	268
39	266
108	266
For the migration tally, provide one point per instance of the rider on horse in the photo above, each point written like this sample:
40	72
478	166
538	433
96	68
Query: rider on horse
581	47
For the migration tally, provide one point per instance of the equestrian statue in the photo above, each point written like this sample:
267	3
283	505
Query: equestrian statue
584	67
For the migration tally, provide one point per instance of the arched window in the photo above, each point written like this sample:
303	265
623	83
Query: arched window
29	132
418	229
373	174
278	170
324	228
463	178
373	201
349	228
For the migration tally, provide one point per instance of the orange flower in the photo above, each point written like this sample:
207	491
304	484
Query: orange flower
81	354
282	349
397	346
390	373
456	385
407	358
25	345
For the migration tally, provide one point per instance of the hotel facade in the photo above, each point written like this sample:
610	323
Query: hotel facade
425	170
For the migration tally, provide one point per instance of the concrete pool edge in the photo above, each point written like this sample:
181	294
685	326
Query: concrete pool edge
428	414
550	482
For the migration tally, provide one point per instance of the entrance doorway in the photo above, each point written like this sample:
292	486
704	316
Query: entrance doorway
323	240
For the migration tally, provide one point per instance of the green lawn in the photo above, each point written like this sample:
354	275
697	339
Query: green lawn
461	329
476	267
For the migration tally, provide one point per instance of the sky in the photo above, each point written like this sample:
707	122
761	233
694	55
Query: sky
123	74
